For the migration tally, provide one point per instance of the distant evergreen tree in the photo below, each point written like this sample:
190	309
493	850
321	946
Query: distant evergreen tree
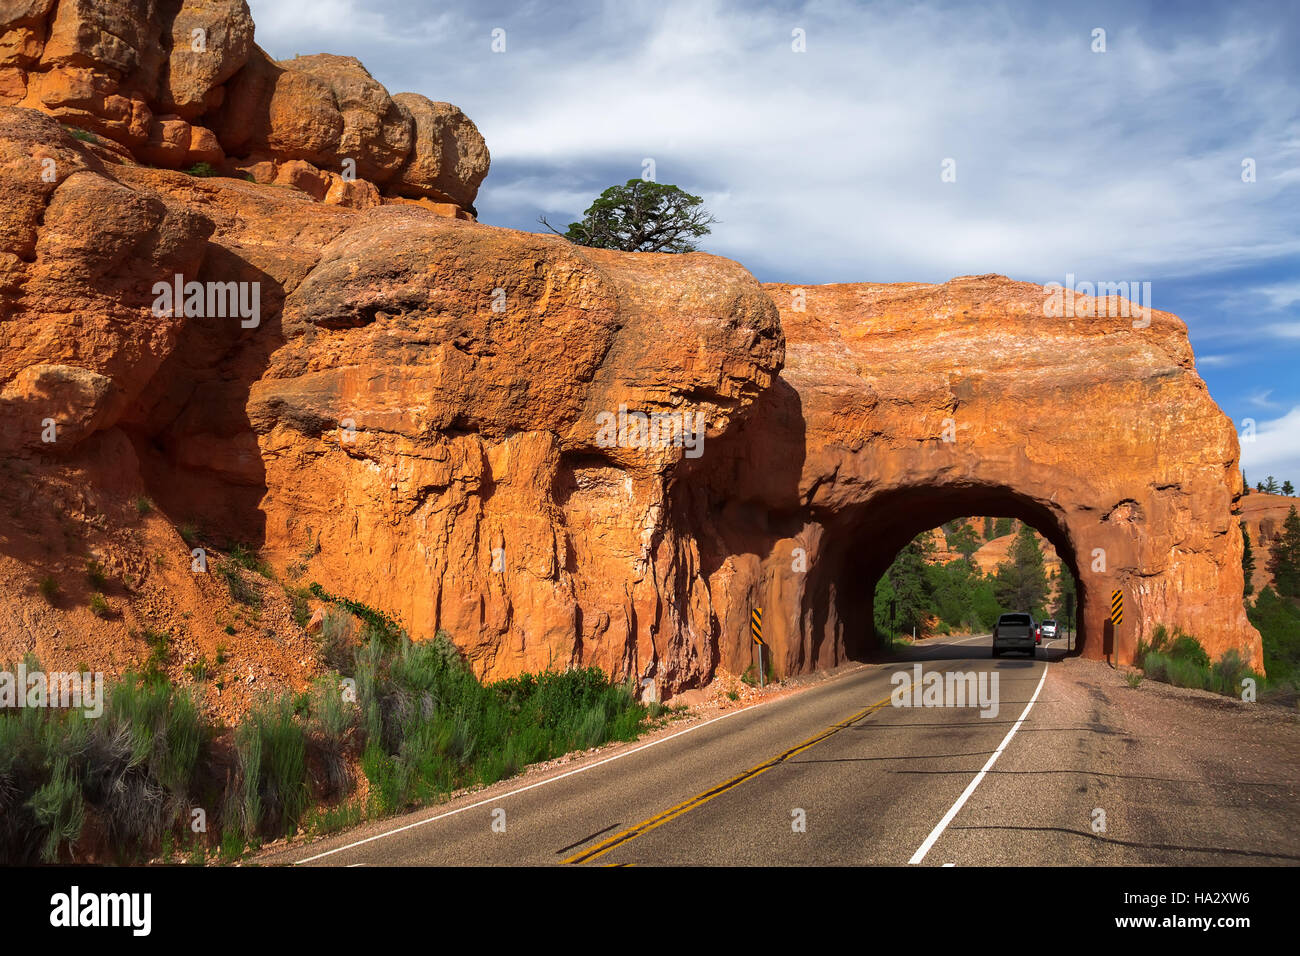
1284	564
1020	582
988	528
1067	601
910	582
963	541
1002	527
1247	561
1270	485
1288	488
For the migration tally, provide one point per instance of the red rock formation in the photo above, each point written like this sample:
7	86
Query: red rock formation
180	82
913	404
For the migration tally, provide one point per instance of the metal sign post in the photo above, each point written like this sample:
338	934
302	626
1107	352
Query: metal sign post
1069	622
1116	619
756	629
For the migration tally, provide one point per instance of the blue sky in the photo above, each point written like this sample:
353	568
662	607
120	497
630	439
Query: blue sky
824	166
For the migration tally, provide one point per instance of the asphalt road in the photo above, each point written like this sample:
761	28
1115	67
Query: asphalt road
835	774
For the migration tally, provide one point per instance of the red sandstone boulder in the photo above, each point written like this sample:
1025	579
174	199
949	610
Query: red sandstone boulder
376	132
449	159
210	41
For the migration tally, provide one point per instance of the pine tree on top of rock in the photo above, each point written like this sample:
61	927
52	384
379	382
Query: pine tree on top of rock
641	216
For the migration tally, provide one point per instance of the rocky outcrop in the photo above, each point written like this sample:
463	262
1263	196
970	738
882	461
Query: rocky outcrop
181	82
909	405
424	417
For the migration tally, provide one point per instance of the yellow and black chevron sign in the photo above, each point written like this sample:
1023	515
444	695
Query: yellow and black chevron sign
1117	607
756	625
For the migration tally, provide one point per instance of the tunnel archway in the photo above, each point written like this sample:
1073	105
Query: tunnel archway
903	406
855	546
889	524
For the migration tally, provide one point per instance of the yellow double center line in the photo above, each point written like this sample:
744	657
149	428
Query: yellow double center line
645	826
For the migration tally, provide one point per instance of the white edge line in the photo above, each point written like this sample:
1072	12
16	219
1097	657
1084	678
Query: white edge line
542	783
942	825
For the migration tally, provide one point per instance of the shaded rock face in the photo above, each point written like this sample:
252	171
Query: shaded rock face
441	419
179	82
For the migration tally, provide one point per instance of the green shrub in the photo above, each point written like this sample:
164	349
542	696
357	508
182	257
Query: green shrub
1187	648
143	506
431	726
1183	672
95	575
1278	622
156	662
387	630
336	646
1158	644
240	590
49	589
298	605
1229	671
59	809
249	561
272	754
200	670
202	170
99	605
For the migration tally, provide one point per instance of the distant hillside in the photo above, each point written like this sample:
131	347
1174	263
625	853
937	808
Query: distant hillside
1263	515
992	553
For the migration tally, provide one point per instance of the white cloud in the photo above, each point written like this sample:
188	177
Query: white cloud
1275	449
1111	166
1284	330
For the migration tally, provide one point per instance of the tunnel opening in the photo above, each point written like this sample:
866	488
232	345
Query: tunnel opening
865	541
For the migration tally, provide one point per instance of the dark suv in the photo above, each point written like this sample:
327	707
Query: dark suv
1015	632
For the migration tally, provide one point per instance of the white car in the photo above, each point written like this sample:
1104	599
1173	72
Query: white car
1048	629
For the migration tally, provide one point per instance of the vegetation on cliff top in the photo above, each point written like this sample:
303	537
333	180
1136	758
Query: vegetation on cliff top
641	216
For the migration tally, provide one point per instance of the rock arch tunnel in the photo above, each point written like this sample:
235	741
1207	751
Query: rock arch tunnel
904	406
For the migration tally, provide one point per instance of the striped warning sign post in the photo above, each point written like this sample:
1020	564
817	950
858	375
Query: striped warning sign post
756	631
1117	607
